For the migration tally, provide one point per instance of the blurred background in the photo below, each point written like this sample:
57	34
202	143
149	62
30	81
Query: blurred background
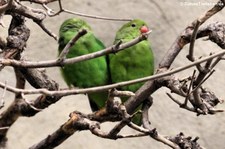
167	19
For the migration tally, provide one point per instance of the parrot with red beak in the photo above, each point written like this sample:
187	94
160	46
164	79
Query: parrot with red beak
134	62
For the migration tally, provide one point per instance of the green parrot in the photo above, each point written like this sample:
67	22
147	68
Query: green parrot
88	73
134	62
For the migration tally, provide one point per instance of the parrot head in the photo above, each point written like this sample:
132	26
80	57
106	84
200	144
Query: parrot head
74	25
69	29
132	30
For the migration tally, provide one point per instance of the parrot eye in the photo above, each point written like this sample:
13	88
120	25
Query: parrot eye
133	25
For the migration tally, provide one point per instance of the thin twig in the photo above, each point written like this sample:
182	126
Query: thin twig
113	133
50	33
95	16
31	106
4	128
102	134
49	10
215	62
145	112
65	51
216	8
192	42
40	1
181	104
2	103
189	89
199	85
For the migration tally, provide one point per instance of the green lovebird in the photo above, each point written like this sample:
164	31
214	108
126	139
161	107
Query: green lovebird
90	73
134	62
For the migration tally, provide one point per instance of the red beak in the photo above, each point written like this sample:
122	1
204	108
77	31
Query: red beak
144	29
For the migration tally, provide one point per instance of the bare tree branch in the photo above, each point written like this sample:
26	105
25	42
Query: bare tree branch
67	92
40	1
202	100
